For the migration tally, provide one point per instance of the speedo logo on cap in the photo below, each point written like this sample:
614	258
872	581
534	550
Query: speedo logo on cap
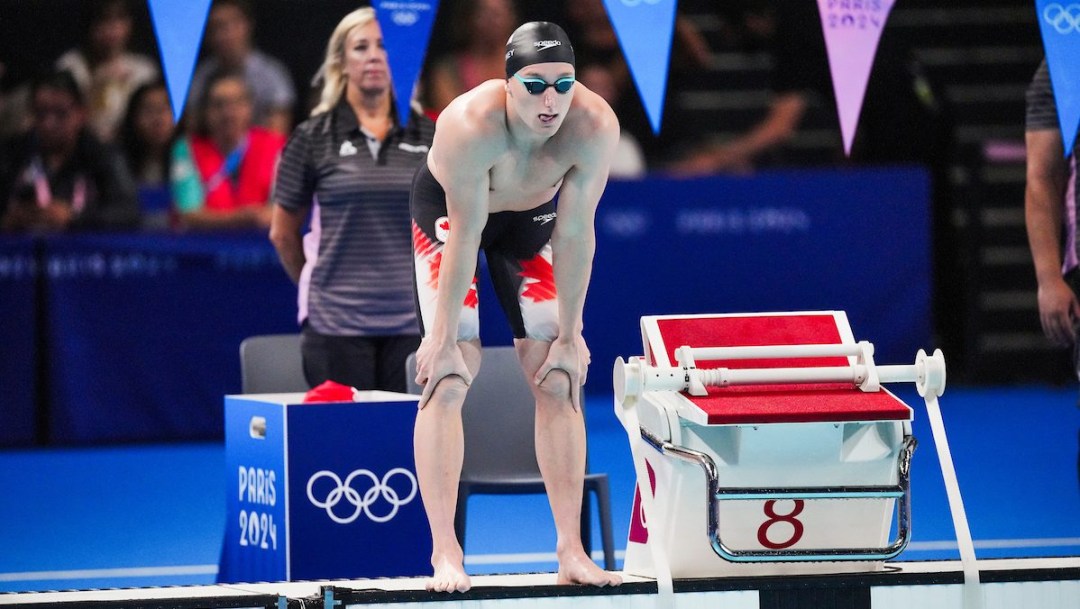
542	45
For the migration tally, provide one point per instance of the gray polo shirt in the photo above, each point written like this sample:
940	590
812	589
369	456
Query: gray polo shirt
358	275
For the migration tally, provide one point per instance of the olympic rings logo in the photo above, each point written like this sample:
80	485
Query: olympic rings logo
405	18
362	502
633	3
1064	19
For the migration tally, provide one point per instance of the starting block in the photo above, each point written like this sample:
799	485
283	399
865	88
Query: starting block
777	451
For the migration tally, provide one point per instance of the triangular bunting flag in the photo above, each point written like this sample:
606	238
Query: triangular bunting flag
644	29
1060	25
406	28
852	30
179	27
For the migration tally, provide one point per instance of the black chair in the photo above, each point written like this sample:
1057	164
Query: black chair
500	449
272	363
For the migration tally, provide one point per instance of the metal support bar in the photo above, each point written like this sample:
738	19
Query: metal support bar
715	494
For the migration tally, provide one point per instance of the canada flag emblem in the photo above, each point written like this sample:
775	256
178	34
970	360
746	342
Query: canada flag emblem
442	229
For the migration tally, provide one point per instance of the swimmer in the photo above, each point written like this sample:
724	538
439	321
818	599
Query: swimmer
500	154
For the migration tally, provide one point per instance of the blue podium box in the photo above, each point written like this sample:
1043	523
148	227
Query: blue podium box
322	491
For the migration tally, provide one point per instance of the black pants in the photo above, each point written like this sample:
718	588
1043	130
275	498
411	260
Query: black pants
1073	279
364	362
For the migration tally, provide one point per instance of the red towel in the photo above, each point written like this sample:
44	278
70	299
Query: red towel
330	391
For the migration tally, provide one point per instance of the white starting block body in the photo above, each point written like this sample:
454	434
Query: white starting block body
766	478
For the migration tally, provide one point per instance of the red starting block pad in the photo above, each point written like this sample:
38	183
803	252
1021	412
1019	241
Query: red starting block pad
796	404
764	403
800	476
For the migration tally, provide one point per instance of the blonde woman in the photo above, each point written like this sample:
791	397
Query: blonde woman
348	169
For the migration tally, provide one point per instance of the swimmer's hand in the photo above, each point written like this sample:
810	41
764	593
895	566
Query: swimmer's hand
570	356
435	362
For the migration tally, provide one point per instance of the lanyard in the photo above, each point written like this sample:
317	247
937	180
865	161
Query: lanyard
43	192
230	167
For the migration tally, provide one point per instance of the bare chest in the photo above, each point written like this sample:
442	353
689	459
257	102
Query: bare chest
520	182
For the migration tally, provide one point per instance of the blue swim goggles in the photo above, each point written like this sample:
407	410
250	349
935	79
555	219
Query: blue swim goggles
536	86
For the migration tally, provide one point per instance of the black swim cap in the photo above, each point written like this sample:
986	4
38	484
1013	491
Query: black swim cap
537	42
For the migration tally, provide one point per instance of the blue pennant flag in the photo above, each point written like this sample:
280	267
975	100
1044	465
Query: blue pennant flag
1060	25
645	29
179	27
406	28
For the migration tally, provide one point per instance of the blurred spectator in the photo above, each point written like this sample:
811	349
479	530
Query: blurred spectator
349	169
14	104
744	26
107	72
629	161
146	137
480	29
229	30
59	176
222	173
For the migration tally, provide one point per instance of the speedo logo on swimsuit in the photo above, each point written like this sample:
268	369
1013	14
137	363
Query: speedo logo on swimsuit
542	45
544	218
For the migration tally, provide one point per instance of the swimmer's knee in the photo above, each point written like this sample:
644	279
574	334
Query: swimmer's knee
556	385
450	389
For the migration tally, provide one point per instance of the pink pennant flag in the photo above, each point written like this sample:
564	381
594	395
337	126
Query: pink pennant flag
852	30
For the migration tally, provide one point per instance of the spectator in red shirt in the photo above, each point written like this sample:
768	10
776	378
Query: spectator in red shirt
223	173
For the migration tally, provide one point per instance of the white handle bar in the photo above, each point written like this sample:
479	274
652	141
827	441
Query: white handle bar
633	377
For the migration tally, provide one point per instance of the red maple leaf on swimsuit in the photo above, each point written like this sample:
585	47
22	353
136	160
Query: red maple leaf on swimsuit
539	279
427	249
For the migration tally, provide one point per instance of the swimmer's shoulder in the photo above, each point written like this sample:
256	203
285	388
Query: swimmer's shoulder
471	131
479	112
591	121
590	113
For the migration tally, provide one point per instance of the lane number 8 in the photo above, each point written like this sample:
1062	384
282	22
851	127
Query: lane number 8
773	517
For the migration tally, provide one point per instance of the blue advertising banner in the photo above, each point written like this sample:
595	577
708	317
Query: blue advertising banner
18	340
179	27
143	330
1059	23
645	29
140	333
406	28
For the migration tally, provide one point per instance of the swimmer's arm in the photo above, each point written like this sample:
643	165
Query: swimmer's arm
465	178
573	241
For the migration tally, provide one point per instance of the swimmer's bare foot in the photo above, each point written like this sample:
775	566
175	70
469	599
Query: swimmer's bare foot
449	575
577	568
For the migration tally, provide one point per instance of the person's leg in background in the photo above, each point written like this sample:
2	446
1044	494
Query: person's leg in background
349	360
390	362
